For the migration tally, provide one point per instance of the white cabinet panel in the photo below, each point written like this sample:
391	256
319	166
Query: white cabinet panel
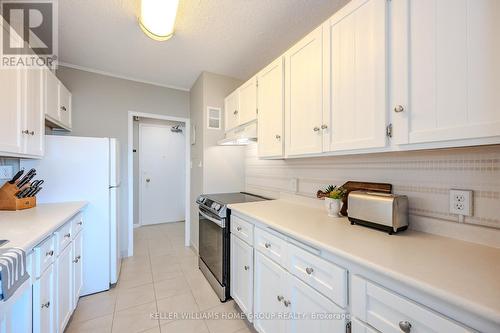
355	76
322	315
304	95
11	136
77	268
269	295
64	106
248	101
64	287
448	80
231	110
52	97
270	101
34	111
242	274
242	229
360	327
271	245
43	303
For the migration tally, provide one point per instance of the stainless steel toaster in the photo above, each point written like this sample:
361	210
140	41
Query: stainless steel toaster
387	212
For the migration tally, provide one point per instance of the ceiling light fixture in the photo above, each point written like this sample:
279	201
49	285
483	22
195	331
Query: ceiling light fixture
157	18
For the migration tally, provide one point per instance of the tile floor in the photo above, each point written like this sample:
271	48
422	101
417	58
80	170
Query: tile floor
162	277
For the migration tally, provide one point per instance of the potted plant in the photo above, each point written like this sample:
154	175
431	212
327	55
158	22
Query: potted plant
333	196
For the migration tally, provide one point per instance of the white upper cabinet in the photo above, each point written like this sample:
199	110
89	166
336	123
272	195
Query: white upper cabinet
248	101
34	110
355	76
58	102
231	110
270	103
11	136
304	95
64	106
445	70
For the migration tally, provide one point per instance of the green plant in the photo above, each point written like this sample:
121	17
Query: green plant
337	193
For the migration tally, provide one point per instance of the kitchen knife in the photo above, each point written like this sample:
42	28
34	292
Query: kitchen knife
25	179
33	188
16	176
36	192
21	193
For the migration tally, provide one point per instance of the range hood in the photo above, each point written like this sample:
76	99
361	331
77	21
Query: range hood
241	135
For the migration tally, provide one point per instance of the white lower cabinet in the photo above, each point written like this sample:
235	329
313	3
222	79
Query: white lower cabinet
43	302
64	287
242	274
77	267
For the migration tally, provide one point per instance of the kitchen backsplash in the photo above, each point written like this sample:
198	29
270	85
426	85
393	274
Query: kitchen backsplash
14	162
424	176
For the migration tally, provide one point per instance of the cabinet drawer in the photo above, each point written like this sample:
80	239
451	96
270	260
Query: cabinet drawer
77	224
242	229
63	237
324	276
270	245
389	312
44	256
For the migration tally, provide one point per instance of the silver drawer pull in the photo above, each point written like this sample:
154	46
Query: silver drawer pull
405	326
77	259
80	223
324	126
68	235
278	137
246	267
399	108
287	303
238	228
267	245
309	270
49	253
235	112
316	129
63	108
46	305
280	298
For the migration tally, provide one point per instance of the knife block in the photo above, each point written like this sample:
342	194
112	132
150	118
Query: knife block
9	201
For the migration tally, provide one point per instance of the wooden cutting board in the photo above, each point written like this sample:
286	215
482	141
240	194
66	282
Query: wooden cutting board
362	186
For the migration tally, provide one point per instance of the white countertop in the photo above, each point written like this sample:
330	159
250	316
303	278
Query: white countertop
464	274
27	228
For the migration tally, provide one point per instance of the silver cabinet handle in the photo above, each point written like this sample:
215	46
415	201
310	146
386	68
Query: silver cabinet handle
246	267
32	133
287	303
324	126
267	245
49	253
280	298
316	129
399	108
309	270
235	112
25	132
46	305
63	108
238	228
405	326
77	259
148	180
278	137
68	235
80	223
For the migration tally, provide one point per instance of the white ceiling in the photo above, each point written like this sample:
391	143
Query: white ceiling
230	37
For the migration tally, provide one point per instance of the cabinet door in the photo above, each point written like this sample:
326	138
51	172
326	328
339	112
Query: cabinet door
65	106
242	274
248	101
34	111
11	136
355	76
321	314
77	267
231	109
269	295
446	70
64	287
51	96
270	101
304	95
43	302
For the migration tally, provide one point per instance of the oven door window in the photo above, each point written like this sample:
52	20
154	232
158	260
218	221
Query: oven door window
212	246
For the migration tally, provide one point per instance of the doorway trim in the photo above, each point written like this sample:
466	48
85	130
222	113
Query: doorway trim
130	173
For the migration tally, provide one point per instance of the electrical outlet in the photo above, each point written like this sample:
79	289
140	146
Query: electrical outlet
6	171
461	202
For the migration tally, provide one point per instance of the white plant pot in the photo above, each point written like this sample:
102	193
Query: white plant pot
333	207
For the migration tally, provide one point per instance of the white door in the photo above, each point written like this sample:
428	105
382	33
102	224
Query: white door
242	274
12	133
52	96
77	268
248	101
34	111
322	315
304	95
162	171
64	287
231	110
269	295
270	101
446	70
355	76
43	302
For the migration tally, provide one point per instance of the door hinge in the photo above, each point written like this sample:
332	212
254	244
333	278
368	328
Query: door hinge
388	131
348	327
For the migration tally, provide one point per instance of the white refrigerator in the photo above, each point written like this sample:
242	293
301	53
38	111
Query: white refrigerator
86	169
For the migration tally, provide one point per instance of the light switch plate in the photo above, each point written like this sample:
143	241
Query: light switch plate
461	202
6	171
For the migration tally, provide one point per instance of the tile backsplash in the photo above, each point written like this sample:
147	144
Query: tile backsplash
424	176
9	161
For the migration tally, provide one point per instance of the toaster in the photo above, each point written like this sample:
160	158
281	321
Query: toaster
383	211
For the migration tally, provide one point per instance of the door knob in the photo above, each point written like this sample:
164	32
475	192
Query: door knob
148	180
399	108
267	245
246	267
405	326
316	129
287	303
278	136
324	126
309	270
280	298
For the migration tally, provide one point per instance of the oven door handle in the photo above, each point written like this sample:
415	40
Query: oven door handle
218	222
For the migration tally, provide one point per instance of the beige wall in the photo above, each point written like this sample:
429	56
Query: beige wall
100	108
424	176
